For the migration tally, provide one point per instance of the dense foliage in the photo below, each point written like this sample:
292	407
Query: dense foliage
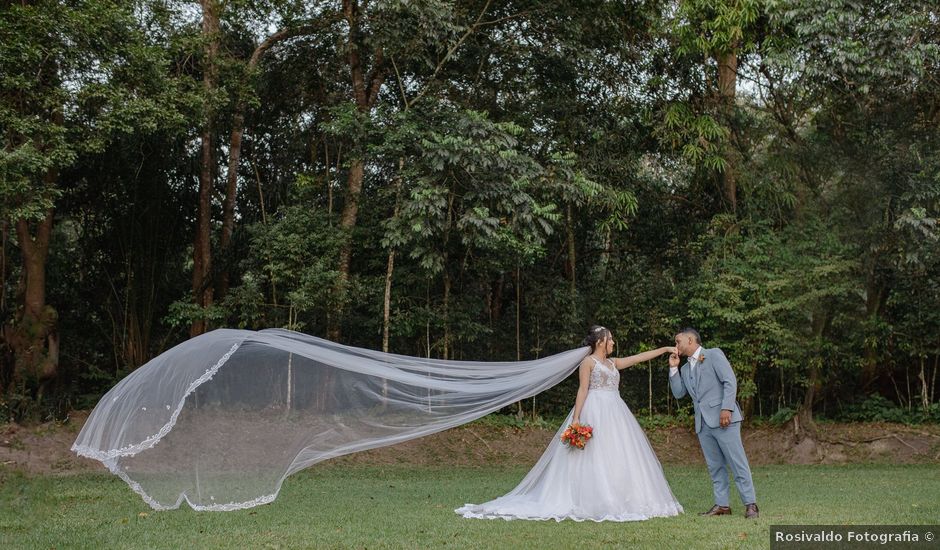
478	180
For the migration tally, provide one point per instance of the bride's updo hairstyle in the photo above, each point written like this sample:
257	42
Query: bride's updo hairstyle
595	334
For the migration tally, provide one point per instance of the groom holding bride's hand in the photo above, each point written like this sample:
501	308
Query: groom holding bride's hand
708	379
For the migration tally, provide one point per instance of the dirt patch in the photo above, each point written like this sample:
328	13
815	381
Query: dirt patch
45	448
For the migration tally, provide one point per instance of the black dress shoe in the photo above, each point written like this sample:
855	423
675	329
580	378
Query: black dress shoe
751	511
718	511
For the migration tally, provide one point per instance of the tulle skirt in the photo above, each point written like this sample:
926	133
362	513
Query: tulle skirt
616	477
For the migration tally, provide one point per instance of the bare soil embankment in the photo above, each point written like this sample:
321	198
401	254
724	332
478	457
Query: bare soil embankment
45	448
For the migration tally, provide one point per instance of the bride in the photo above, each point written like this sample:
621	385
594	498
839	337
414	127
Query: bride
616	477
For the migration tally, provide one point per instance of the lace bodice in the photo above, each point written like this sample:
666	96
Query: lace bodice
604	376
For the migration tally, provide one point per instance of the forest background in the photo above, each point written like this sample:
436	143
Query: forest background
479	179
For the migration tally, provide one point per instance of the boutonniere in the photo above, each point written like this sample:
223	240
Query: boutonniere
700	358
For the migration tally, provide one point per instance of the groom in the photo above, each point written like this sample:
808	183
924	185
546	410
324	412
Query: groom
708	379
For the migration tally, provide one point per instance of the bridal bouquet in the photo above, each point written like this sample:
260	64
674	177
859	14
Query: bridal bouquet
577	435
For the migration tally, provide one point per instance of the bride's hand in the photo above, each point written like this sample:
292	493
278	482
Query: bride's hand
671	350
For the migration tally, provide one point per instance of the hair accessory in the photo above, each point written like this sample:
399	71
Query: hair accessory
598	329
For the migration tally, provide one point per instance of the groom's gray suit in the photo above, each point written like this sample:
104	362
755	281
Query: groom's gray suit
713	387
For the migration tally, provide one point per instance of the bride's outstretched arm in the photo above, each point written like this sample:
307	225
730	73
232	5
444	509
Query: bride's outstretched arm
624	362
584	379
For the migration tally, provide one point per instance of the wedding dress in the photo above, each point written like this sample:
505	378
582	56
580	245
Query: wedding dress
616	477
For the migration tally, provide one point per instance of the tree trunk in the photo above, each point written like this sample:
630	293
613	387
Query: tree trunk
390	267
924	395
202	254
933	379
518	313
4	230
747	403
446	271
347	223
235	149
6	353
387	303
494	294
33	337
138	338
605	254
351	209
804	417
447	335
135	328
35	251
231	190
805	411
727	85
874	301
572	260
365	93
519	410
496	309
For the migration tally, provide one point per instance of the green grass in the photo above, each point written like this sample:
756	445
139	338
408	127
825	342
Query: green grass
408	507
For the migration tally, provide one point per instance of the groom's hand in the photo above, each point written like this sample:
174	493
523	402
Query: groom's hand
673	360
725	419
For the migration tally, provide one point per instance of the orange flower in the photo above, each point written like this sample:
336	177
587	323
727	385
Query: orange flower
576	435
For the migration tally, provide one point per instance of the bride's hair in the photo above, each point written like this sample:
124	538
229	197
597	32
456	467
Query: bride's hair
595	334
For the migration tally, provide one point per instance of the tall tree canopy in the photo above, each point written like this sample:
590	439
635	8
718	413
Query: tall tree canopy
478	179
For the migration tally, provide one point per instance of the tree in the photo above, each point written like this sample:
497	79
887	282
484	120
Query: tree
75	77
871	113
720	32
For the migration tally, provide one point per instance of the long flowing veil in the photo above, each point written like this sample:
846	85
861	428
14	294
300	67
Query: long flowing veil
222	419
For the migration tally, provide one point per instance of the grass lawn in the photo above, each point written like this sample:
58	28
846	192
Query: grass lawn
411	507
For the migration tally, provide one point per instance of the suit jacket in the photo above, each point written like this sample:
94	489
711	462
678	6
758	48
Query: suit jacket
712	387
